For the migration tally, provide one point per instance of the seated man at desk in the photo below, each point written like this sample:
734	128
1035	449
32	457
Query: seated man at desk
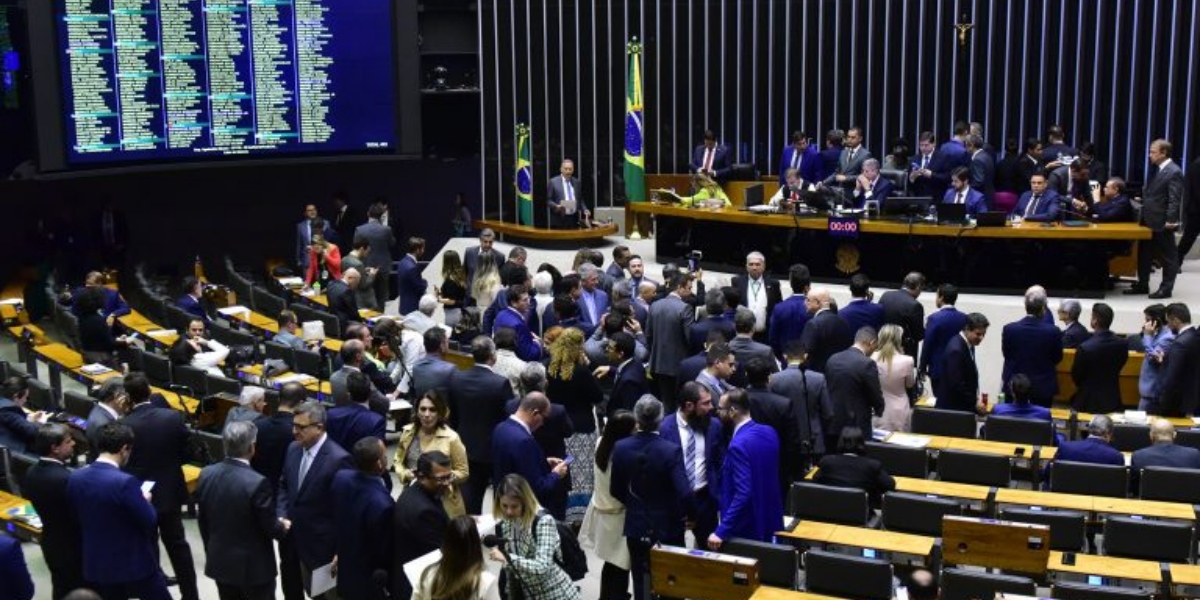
708	194
1113	206
960	192
1039	203
789	194
869	186
852	468
1096	448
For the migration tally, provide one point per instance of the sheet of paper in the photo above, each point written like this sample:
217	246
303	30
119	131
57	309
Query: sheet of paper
322	580
416	566
160	332
12	301
233	310
399	404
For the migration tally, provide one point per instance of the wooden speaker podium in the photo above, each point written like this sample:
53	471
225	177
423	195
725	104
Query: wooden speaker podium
699	575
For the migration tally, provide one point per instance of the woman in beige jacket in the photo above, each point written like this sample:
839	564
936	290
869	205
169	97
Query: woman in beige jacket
430	431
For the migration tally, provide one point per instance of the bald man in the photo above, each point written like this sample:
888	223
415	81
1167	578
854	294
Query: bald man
825	334
1162	452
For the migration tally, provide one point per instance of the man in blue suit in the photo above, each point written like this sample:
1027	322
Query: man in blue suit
791	314
117	523
189	302
349	423
860	311
960	192
698	435
648	478
1033	347
1162	452
363	514
954	151
751	506
408	276
930	169
802	156
831	154
593	301
432	371
15	582
714	320
1018	405
514	450
513	317
114	304
1039	203
870	187
304	499
943	324
629	380
1095	448
711	158
380	238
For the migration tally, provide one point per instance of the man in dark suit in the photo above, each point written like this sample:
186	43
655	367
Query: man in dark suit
958	385
629	381
432	371
381	239
237	520
513	317
568	210
1114	207
45	486
111	404
514	450
777	412
930	169
304	500
487	239
746	349
275	433
161	451
831	154
801	156
1096	448
944	323
114	304
711	158
714	320
854	386
1098	363
116	523
1162	452
1029	163
901	307
477	398
667	335
408	276
749	507
869	186
982	166
355	420
826	333
419	520
792	314
809	396
693	430
1039	203
860	311
1033	347
648	478
1180	379
1162	197
758	292
556	426
343	302
191	302
1074	333
593	301
850	163
363	515
345	221
15	581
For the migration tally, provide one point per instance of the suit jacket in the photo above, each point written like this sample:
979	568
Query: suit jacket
1165	455
1090	450
825	334
881	190
954	155
810	164
777	412
556	194
309	504
477	399
341	396
943	325
114	304
363	515
1033	347
859	313
854	389
159	452
515	451
983	174
940	165
900	308
720	164
409	283
1045	210
698	334
270	448
431	373
585	320
648	478
304	239
15	581
811	405
787	322
382	239
830	157
237	523
552	436
528	349
117	527
1180	379
580	395
419	523
1118	210
471	261
958	387
667	334
192	306
751	506
690	368
1162	197
714	448
774	294
1074	335
745	348
976	202
17	432
629	387
853	471
352	422
1096	373
45	486
343	303
850	167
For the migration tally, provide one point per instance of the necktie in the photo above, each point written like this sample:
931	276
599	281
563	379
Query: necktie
689	457
708	158
924	161
570	189
1032	208
305	463
853	151
754	287
796	159
960	199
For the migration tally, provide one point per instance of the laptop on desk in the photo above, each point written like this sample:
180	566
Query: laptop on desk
952	214
992	218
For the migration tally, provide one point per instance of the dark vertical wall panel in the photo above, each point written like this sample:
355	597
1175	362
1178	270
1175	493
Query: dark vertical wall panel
1116	72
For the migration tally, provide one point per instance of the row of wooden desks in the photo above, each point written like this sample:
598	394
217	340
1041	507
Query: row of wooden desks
153	333
320	300
267	327
253	374
62	359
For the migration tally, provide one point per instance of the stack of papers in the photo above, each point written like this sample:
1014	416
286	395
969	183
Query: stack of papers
291	281
298	377
95	369
161	332
27	515
229	311
908	440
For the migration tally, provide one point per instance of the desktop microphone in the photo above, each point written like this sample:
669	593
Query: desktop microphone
492	541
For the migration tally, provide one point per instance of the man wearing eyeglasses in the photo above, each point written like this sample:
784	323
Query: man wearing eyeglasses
516	451
420	518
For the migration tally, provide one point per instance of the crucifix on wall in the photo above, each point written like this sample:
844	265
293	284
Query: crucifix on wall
963	26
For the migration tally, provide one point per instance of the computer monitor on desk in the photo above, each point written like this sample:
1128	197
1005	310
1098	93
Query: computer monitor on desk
754	195
907	206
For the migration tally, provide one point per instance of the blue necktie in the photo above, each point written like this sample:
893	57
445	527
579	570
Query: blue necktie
689	457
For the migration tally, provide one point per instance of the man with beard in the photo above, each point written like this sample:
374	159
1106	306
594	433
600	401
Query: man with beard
694	430
751	507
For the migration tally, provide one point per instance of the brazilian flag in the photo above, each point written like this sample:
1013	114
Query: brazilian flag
635	164
524	177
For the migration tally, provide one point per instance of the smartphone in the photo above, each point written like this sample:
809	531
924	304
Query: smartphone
869	553
1068	558
1097	580
569	459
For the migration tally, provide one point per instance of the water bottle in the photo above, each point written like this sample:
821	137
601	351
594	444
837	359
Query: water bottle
933	212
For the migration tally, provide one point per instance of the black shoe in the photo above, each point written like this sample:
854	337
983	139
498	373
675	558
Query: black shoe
1160	294
1136	290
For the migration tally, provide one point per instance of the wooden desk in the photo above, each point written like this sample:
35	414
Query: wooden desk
1185	580
191	476
136	321
936	442
1045	499
818	534
1128	380
1145	508
539	234
945	489
25	530
810	531
322	301
1064	414
267	327
999	448
1103	566
59	356
766	592
253	374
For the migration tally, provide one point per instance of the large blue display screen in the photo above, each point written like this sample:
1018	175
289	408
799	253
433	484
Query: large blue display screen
176	79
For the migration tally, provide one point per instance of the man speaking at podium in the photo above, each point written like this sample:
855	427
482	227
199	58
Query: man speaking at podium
567	209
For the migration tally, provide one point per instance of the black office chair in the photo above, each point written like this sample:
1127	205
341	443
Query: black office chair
232	337
78	405
41	397
241	287
1080	591
813	501
1068	528
1018	430
1188	437
917	513
900	461
975	468
310	363
1089	479
193	378
274	351
222	385
177	319
778	564
847	576
950	423
157	368
965	584
1164	541
267	303
210	445
1170	484
1130	438
8	479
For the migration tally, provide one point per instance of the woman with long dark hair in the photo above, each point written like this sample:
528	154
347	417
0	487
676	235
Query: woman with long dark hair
453	293
459	575
604	524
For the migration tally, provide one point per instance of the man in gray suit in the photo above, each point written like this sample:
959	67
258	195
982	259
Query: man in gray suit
111	404
745	348
667	335
381	240
851	162
810	402
1161	201
487	238
567	208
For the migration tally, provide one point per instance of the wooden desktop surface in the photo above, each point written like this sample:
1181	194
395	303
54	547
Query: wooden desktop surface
1045	499
69	360
313	385
946	489
138	322
861	537
1099	504
938	442
1106	566
270	327
1064	414
1185	574
766	592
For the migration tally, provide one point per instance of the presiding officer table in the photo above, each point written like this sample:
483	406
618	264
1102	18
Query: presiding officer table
1002	259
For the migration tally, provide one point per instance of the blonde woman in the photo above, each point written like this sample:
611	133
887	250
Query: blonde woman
708	194
531	573
571	384
897	374
430	431
486	283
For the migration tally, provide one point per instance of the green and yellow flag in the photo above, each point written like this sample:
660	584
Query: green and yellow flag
635	164
524	178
